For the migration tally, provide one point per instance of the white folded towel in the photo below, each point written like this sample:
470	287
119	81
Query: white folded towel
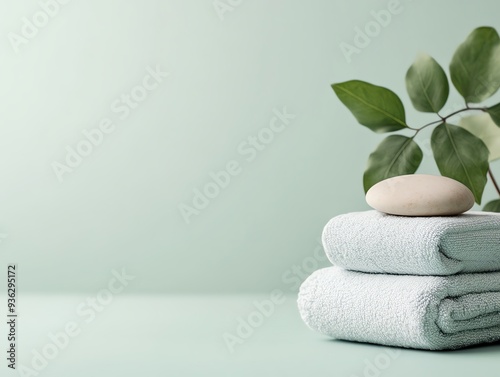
372	241
428	312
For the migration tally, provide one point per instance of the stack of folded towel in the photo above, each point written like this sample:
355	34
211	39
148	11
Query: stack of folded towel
415	282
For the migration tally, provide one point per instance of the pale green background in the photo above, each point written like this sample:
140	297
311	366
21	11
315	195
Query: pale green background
119	208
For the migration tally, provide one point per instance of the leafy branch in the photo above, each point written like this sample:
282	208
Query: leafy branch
443	119
461	153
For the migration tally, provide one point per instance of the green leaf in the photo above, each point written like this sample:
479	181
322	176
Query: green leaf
373	106
462	156
494	112
493	206
484	128
475	66
395	155
427	84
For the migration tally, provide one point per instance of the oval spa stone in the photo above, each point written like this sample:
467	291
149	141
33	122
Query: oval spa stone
420	195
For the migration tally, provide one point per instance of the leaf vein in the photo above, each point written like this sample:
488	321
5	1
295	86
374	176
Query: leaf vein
373	107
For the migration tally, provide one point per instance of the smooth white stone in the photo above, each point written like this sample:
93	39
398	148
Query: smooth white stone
420	195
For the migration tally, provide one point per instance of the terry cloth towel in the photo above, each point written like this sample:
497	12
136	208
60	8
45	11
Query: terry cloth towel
427	312
372	241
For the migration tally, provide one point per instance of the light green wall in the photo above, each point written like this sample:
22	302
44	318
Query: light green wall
119	208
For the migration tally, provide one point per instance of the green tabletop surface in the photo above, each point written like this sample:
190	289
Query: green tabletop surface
198	336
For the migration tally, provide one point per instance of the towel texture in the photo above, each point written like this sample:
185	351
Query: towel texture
371	241
427	312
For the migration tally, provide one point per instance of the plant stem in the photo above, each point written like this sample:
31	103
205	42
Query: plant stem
443	119
427	125
494	181
465	109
